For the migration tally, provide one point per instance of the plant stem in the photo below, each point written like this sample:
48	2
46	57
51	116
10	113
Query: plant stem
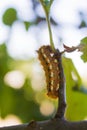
50	31
47	12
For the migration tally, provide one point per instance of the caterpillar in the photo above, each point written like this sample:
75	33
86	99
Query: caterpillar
49	61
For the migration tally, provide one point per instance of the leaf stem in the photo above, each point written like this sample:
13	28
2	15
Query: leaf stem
50	32
47	12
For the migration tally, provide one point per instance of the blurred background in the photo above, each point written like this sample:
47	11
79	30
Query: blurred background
23	29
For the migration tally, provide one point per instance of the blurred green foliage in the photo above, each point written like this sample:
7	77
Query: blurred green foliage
83	49
76	100
22	102
10	16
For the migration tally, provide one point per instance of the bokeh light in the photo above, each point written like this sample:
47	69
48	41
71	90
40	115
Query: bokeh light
10	120
47	108
38	77
15	79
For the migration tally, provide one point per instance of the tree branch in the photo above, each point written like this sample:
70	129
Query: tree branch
61	92
54	124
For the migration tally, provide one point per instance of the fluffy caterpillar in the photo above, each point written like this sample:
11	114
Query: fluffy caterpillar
49	61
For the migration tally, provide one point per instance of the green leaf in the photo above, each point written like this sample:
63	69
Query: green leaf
84	40
46	2
76	100
83	48
27	24
83	24
71	74
9	16
46	5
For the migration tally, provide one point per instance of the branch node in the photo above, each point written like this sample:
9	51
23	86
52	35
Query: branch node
32	125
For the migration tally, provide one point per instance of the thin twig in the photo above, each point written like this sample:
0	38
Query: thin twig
61	92
69	49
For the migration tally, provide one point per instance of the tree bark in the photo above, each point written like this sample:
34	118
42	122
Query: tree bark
53	124
61	92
